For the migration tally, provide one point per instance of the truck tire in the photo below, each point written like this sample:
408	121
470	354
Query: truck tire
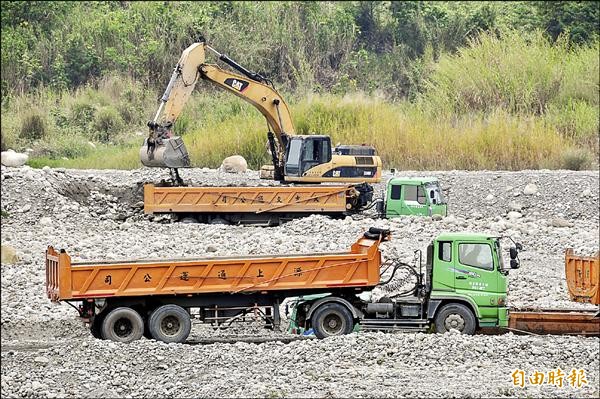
219	221
96	326
170	323
188	219
122	325
455	316
332	319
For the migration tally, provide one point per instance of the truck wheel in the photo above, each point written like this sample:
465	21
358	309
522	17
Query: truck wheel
455	316
122	325
332	319
96	327
219	221
188	219
170	323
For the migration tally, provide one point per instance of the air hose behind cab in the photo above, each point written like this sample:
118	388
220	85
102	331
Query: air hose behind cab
390	286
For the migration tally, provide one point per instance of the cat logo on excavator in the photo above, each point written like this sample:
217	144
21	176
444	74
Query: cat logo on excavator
239	85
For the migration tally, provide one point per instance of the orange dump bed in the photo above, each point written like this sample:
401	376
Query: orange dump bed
316	198
66	280
583	277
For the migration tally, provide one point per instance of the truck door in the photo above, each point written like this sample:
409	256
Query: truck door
475	275
414	200
393	206
443	278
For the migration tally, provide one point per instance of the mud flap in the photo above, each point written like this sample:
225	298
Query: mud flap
171	153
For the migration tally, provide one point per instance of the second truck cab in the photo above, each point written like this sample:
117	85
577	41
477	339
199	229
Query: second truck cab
463	287
413	196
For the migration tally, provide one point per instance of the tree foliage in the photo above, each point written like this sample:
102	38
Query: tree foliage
384	46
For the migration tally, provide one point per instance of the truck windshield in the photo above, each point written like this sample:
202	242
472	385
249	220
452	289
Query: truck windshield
434	192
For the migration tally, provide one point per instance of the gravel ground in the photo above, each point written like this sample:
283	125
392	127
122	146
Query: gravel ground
97	215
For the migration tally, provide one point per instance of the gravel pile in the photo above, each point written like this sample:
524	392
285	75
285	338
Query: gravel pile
98	215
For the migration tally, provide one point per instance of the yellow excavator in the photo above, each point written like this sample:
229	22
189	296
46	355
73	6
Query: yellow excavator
296	158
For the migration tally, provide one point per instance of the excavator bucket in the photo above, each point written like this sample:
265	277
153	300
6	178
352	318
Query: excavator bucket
171	153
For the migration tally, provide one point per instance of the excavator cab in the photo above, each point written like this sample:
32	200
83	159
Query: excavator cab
305	152
311	159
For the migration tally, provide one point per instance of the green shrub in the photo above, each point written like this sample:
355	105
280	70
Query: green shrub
34	125
576	159
519	73
83	111
577	120
108	123
182	124
6	141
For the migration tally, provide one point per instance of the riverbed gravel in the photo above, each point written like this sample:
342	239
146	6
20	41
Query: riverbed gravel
97	214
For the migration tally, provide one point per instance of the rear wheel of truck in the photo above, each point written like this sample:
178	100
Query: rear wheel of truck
188	219
122	325
332	319
455	316
170	323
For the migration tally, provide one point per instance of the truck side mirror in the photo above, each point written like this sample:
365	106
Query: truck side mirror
514	264
519	246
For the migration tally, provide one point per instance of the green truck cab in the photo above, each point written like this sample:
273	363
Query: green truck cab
413	196
463	287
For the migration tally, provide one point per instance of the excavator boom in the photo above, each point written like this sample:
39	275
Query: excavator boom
162	149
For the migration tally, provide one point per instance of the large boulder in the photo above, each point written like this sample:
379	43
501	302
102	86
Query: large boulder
234	164
12	158
9	254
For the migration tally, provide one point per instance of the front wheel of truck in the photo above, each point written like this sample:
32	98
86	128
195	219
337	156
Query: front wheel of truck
122	325
455	316
332	319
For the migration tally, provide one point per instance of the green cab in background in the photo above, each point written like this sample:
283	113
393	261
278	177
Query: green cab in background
413	196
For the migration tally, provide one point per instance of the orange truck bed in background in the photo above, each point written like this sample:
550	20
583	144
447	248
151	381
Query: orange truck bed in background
66	280
315	198
583	277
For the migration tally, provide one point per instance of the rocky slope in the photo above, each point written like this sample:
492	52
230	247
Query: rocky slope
97	215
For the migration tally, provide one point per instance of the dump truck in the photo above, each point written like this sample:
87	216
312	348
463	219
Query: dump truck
463	287
265	205
273	205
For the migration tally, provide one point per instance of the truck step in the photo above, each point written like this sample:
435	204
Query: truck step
392	328
408	325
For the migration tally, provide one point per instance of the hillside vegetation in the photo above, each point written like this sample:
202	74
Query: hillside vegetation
432	85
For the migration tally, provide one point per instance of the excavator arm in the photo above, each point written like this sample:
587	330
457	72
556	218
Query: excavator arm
163	149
